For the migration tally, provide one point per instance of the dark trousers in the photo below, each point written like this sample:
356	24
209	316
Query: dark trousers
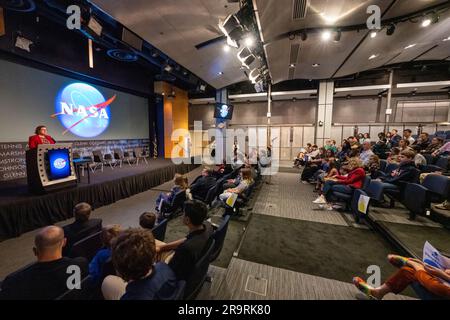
331	186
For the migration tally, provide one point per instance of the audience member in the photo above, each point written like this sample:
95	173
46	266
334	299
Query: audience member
373	166
407	135
366	152
395	138
133	256
381	148
190	249
394	156
47	278
422	143
82	227
180	184
442	151
406	172
245	181
109	232
148	220
200	188
424	278
436	144
404	145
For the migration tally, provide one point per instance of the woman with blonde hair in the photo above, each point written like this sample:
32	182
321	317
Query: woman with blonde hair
343	184
180	184
246	181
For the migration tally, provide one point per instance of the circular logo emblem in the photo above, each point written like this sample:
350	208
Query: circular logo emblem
59	163
82	110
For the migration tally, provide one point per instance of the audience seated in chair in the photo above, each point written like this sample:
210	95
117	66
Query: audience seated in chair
426	280
434	146
109	232
405	173
343	184
190	249
407	135
381	148
366	152
245	181
82	227
148	221
133	256
181	184
395	138
422	142
373	167
47	278
200	188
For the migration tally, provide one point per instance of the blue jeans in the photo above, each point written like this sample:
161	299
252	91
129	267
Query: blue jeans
331	186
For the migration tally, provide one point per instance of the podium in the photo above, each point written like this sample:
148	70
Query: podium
50	167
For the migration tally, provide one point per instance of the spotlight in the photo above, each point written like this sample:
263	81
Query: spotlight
337	36
249	41
232	29
446	39
326	35
315	65
390	29
246	57
168	68
292	65
226	48
427	21
373	56
373	34
303	35
410	46
220	73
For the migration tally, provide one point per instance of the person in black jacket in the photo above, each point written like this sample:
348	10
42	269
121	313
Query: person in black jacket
422	143
406	172
82	227
48	278
200	188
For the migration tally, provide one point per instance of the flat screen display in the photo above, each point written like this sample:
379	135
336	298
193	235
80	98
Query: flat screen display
223	111
59	164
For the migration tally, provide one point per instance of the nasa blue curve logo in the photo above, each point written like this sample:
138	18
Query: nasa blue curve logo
59	163
82	110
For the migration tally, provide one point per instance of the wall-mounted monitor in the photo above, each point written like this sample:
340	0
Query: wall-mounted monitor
223	111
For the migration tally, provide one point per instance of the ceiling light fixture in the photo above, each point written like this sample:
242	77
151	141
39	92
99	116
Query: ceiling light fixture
426	22
326	35
410	46
226	48
373	56
431	19
446	39
220	73
315	65
373	34
249	41
292	65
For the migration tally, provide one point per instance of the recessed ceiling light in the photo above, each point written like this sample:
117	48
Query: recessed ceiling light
226	48
326	35
446	39
410	46
373	34
220	73
373	56
315	65
292	65
426	22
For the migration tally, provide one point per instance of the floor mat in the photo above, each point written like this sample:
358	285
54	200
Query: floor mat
324	250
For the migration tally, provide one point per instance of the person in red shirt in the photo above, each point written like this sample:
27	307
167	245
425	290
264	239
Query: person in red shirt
40	137
343	184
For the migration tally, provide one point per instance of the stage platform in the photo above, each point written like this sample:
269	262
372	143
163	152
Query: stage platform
21	212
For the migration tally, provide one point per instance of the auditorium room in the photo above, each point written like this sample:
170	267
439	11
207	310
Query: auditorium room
225	150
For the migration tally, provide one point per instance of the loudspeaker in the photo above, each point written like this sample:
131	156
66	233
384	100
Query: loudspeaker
2	23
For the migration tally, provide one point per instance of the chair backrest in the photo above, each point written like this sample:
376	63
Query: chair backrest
118	154
391	167
179	293
437	184
159	231
428	157
211	195
78	294
375	190
415	176
415	198
383	165
108	156
198	276
178	200
87	247
219	237
98	156
366	182
443	163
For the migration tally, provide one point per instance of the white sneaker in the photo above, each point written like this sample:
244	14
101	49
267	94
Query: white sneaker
329	207
320	200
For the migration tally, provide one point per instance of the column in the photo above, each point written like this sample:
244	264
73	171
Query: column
324	115
221	129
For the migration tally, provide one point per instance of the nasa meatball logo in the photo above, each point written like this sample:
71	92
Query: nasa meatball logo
224	111
82	110
59	163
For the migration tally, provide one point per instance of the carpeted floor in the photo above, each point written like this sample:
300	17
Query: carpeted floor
325	250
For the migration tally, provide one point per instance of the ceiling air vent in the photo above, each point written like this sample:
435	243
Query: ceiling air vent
299	8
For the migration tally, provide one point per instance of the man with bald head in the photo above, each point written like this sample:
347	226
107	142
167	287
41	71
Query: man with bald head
47	278
82	227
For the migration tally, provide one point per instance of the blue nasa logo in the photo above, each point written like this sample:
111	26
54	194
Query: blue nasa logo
59	163
82	110
224	111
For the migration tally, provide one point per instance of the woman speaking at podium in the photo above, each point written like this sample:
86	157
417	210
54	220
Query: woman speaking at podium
40	137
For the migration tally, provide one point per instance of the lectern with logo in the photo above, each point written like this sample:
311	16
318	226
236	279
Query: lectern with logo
50	167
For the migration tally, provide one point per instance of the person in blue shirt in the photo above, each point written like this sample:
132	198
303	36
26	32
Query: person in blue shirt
180	184
109	232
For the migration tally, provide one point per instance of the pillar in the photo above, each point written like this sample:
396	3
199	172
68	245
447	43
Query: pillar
324	115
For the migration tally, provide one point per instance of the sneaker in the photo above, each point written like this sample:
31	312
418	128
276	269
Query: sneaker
320	200
329	207
363	287
305	182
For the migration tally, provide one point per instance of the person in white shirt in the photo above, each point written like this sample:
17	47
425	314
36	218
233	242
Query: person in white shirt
407	136
367	152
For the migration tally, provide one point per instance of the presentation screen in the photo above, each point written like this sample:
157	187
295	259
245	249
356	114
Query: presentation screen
58	164
72	110
223	111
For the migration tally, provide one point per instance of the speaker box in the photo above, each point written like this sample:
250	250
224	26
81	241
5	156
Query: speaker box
2	22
